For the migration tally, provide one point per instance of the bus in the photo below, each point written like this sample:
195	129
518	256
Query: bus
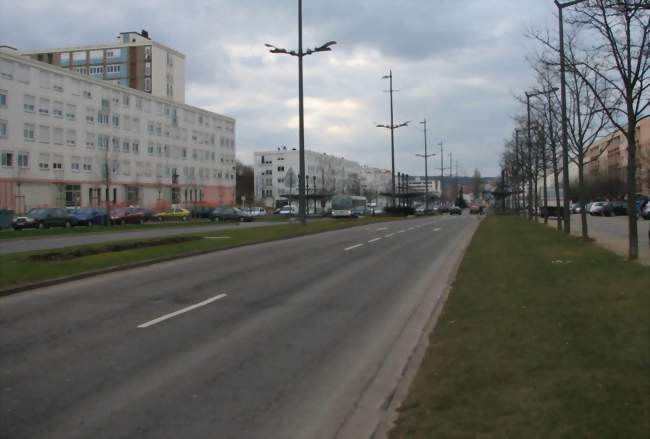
348	206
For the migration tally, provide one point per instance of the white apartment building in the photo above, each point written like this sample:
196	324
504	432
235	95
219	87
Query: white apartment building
276	175
134	61
418	184
67	139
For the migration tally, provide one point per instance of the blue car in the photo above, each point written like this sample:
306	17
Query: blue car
90	216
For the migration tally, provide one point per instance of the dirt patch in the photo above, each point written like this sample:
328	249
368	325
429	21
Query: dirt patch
109	248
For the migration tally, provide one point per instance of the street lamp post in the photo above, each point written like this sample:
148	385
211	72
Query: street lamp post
392	129
301	116
565	135
426	156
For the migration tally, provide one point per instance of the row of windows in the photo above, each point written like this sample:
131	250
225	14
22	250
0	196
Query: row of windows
56	162
23	73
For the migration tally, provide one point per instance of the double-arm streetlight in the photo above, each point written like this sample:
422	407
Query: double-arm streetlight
565	135
426	156
392	127
530	147
300	54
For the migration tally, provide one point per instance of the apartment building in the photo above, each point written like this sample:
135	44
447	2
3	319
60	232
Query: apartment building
276	175
608	157
134	61
67	139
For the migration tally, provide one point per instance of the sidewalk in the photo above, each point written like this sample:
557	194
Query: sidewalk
611	233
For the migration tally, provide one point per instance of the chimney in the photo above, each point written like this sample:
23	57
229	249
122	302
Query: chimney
145	34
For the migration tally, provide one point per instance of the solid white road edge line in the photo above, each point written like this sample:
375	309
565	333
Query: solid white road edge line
354	246
181	311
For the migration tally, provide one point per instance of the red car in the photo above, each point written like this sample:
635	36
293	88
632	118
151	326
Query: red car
127	216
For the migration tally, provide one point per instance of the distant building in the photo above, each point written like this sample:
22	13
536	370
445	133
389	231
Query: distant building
67	139
133	61
276	175
608	157
418	184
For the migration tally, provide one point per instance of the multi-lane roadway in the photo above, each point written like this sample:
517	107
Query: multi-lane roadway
301	338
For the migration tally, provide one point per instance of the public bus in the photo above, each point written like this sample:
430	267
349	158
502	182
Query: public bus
348	206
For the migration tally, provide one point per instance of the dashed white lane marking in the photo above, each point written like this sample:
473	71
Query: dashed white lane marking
374	240
353	247
381	229
436	230
389	235
401	231
410	228
181	311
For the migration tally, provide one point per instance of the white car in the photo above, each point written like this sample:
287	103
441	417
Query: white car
257	211
288	210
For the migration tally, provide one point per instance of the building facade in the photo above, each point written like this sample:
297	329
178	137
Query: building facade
67	139
133	61
276	175
608	157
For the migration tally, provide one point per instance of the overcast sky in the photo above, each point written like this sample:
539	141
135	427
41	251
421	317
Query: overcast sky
455	63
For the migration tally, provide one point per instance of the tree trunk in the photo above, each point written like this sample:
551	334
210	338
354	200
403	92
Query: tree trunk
581	195
633	252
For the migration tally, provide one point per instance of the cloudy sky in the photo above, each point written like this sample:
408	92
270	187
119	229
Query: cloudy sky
455	63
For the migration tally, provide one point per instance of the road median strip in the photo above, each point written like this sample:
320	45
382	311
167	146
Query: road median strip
532	348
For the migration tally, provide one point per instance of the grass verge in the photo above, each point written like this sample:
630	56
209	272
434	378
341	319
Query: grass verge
542	336
29	267
60	231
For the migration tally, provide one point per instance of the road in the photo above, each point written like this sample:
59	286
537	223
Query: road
301	338
8	246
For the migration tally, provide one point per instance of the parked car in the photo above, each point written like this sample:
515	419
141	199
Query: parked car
201	211
90	216
600	208
618	207
230	213
44	217
288	210
575	208
175	213
455	210
129	215
256	211
476	209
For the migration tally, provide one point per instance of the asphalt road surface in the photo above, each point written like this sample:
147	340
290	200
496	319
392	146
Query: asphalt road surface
301	338
35	243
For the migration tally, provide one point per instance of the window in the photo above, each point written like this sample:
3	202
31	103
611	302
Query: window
64	58
57	136
44	79
57	83
138	103
150	148
158	149
150	127
88	164
3	98
81	70
7	159
70	111
126	145
90	140
43	134
184	153
23	160
29	103
75	164
3	128
147	84
116	99
135	146
79	56
57	109
126	99
102	117
24	73
115	141
90	115
102	141
57	162
44	162
44	106
96	70
116	120
6	69
114	68
71	137
147	52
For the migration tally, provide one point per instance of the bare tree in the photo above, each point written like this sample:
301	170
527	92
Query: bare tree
619	57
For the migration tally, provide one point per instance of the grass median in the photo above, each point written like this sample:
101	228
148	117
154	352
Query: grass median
542	336
28	267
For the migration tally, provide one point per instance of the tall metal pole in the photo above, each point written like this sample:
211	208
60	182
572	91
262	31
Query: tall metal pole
530	160
426	170
392	135
301	122
442	176
451	166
